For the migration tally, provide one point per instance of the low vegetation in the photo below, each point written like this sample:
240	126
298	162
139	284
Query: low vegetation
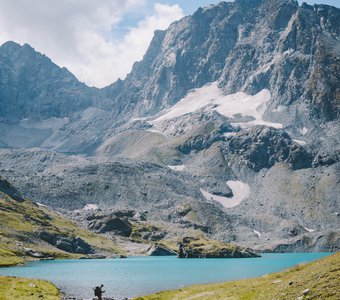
28	289
203	248
20	224
316	280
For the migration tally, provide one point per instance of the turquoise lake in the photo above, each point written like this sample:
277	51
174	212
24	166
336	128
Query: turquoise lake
136	276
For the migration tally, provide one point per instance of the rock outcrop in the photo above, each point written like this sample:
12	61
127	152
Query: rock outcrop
159	250
67	243
263	147
198	248
111	223
7	189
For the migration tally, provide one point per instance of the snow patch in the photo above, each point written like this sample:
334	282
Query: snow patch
240	190
302	143
233	106
308	229
258	233
177	168
303	131
229	134
154	130
90	207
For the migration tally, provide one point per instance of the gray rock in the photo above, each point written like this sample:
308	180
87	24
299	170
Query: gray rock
8	189
262	147
67	243
112	224
305	292
158	250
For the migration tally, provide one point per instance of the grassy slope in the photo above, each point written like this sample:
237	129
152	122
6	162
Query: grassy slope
20	222
322	278
25	288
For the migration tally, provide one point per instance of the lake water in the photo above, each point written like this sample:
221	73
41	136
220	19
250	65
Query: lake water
138	276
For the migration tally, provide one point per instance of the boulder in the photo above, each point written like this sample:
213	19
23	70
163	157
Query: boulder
117	225
67	243
111	223
158	250
36	254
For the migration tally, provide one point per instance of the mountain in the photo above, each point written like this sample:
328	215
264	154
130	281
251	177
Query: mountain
244	46
229	125
41	104
33	87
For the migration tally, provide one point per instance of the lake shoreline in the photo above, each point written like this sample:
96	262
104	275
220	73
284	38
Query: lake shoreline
147	272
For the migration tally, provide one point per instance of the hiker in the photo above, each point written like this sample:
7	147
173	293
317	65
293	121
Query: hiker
98	291
181	253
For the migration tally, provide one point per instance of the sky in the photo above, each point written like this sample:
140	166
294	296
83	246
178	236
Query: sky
97	40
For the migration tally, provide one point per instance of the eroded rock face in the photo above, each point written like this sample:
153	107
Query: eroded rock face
326	242
67	243
262	147
8	189
111	223
248	46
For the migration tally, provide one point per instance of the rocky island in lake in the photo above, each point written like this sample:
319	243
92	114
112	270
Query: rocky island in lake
202	248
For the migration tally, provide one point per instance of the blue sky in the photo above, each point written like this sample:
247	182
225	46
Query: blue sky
98	41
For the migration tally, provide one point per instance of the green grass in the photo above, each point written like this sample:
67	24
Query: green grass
321	277
27	289
20	223
9	258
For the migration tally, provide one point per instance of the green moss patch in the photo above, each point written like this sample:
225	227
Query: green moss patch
28	289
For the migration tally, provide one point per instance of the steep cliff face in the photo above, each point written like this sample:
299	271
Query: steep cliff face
245	46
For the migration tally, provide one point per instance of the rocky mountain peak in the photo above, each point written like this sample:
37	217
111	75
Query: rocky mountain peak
245	46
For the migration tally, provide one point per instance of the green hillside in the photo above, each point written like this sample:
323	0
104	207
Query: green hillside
29	231
317	280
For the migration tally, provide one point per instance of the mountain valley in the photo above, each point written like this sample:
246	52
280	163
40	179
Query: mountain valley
228	129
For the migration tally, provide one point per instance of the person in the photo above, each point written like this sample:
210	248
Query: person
181	253
98	292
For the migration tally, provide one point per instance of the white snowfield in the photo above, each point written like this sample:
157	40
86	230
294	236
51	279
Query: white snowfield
258	233
90	207
177	168
240	190
300	142
304	131
308	229
210	96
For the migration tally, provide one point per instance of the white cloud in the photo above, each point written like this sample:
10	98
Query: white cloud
78	34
